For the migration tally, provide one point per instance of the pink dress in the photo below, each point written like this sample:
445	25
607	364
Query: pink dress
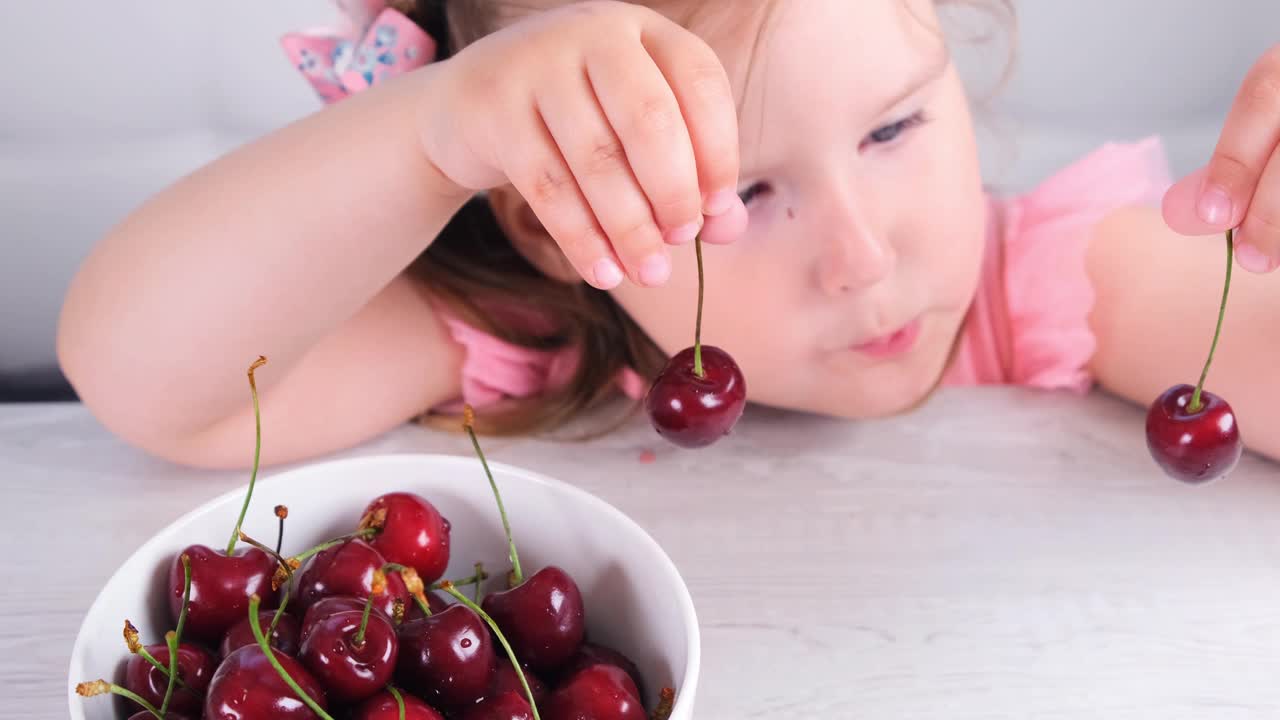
1029	321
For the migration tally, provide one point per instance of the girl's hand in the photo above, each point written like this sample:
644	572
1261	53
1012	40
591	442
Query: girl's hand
615	124
1240	187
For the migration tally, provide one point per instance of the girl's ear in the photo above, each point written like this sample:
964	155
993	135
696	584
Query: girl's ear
529	237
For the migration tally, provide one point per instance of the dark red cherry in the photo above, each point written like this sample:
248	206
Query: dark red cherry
283	637
447	658
220	588
413	534
324	607
592	654
510	705
350	667
599	692
195	668
347	569
247	687
504	679
542	617
1193	447
383	706
146	715
692	411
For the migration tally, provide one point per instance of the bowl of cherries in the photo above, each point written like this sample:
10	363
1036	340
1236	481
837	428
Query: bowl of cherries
410	587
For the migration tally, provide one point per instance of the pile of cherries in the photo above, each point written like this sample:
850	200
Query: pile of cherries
363	627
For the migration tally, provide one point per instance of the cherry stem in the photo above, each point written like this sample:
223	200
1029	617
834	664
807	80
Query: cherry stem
399	699
282	512
1194	405
358	640
136	647
186	594
254	601
364	534
515	663
480	578
101	687
284	602
412	583
476	579
257	453
666	701
468	423
171	640
280	559
697	327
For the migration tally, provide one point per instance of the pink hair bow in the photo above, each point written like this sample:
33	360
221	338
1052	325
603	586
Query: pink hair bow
373	43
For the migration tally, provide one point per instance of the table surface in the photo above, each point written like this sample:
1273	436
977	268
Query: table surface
996	554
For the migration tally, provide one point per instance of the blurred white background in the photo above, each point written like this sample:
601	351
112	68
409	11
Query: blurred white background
103	103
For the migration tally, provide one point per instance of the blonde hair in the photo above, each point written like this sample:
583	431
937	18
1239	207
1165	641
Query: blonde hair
472	266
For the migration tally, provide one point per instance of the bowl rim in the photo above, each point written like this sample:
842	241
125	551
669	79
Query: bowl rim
688	612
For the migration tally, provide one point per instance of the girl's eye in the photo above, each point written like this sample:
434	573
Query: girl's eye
890	132
753	191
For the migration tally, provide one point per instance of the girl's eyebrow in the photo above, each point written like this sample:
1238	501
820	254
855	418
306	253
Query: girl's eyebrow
923	76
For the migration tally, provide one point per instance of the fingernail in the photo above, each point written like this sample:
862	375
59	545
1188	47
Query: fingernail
720	203
684	233
608	274
1254	260
655	269
1214	206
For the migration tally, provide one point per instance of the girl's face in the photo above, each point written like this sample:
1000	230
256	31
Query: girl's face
867	214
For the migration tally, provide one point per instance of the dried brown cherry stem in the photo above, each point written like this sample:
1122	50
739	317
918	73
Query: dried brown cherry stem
136	647
515	663
102	687
397	612
282	512
412	583
254	602
257	454
666	701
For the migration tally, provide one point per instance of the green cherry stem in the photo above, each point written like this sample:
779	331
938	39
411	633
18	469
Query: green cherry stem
1194	405
358	640
468	423
399	699
186	594
254	602
102	687
515	664
135	646
480	576
697	327
364	534
257	453
171	640
476	579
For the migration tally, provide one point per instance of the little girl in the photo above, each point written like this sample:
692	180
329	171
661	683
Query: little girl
499	202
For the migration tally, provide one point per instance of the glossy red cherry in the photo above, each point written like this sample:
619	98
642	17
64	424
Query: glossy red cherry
599	692
247	687
1193	447
220	588
542	617
447	658
694	411
283	637
324	607
504	679
347	569
351	667
510	705
413	533
195	668
592	654
383	706
146	715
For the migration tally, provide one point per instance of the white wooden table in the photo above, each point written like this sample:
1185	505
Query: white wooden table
995	555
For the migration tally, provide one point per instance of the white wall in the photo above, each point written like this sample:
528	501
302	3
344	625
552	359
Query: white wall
103	103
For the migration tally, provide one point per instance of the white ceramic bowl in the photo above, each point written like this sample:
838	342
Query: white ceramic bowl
635	598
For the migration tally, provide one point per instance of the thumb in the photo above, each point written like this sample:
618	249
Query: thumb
1180	206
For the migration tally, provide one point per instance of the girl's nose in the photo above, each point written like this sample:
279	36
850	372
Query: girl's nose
855	255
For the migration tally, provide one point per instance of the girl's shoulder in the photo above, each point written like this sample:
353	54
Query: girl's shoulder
1029	322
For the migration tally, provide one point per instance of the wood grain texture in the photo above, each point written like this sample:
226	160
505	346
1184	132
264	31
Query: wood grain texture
997	554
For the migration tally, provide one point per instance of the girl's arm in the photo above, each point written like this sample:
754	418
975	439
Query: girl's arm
290	248
1158	295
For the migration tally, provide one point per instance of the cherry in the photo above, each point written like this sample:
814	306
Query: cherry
284	636
509	705
598	692
149	711
195	668
592	654
221	582
386	706
147	715
413	533
247	686
325	607
701	393
504	679
447	657
347	569
353	653
1192	434
543	614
